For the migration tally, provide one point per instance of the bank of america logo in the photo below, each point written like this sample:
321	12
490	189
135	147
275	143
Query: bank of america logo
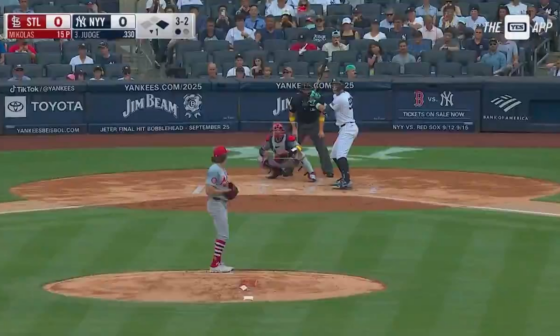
505	103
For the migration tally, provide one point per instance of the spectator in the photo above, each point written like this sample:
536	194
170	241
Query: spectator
79	75
287	73
212	71
22	46
286	21
239	73
239	32
335	45
19	74
449	18
267	72
301	46
387	23
532	12
223	21
2	52
23	7
358	21
548	10
403	57
374	33
210	33
257	69
516	7
244	10
239	64
509	48
309	23
374	56
105	55
462	32
325	3
200	20
319	34
348	33
475	20
447	42
269	32
81	58
426	10
412	20
554	68
478	43
154	6
127	73
398	31
304	10
253	21
351	71
93	7
97	74
450	3
503	10
417	44
279	8
495	58
429	31
184	3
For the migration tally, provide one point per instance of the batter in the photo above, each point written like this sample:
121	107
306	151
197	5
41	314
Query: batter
216	187
343	108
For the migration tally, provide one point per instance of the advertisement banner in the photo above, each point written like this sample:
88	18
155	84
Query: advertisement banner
436	110
146	108
270	101
58	109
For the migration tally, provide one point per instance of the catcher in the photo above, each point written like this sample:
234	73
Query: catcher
219	191
281	154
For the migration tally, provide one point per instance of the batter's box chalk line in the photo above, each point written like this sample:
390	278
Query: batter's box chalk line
198	190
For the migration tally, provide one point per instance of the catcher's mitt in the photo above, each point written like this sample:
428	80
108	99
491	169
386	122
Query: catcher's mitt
232	193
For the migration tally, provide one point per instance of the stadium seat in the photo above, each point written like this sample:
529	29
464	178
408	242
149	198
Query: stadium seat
222	56
190	57
479	69
400	8
5	71
463	57
489	10
47	46
186	46
187	9
86	68
451	69
46	58
370	9
362	69
360	45
71	46
314	57
212	46
33	70
389	45
349	56
33	3
386	69
300	69
339	10
117	56
318	9
58	70
387	3
10	9
17	58
75	9
417	69
285	56
47	9
245	45
62	3
226	66
334	68
250	55
273	45
113	71
199	69
434	56
293	33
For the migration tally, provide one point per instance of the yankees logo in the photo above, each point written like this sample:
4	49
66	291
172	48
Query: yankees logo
418	98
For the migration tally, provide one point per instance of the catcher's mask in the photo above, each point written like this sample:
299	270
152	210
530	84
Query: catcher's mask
337	86
278	131
306	88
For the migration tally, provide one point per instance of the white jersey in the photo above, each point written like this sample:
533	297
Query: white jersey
218	178
343	107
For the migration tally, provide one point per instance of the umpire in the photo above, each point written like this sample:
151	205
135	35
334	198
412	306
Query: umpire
307	120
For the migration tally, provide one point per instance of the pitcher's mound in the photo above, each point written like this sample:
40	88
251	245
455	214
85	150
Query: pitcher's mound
201	286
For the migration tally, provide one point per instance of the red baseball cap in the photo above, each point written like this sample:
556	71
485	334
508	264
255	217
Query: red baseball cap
219	151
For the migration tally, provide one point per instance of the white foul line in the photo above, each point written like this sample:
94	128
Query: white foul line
7	212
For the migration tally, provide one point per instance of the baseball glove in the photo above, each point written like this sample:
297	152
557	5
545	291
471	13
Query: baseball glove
233	191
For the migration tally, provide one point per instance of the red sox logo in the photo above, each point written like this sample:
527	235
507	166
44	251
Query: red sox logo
418	98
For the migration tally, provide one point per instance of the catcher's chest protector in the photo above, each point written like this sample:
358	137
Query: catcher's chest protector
276	145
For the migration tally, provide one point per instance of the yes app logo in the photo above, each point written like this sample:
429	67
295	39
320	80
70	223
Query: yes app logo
517	27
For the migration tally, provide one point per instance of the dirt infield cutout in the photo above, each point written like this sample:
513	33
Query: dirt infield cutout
201	286
374	189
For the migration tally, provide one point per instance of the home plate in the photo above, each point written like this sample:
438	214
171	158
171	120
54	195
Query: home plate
286	190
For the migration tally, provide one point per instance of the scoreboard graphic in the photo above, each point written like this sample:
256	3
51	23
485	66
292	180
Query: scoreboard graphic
100	26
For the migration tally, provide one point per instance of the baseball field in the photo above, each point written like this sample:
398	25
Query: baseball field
443	234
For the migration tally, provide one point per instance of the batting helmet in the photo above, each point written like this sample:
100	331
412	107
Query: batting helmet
337	85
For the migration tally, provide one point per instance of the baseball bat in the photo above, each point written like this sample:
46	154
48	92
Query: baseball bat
322	70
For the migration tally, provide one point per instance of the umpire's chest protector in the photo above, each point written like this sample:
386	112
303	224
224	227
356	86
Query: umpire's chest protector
306	112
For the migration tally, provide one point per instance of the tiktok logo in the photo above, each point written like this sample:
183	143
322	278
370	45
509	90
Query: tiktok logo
281	105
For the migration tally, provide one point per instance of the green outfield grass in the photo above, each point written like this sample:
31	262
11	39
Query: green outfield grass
449	272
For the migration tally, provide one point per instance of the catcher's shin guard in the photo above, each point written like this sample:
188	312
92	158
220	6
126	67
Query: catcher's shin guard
274	173
287	172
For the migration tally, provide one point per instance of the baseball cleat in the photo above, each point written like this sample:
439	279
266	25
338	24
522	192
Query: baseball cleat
221	268
312	177
287	172
337	183
329	175
344	185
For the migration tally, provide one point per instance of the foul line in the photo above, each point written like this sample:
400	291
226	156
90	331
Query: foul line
453	205
7	212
